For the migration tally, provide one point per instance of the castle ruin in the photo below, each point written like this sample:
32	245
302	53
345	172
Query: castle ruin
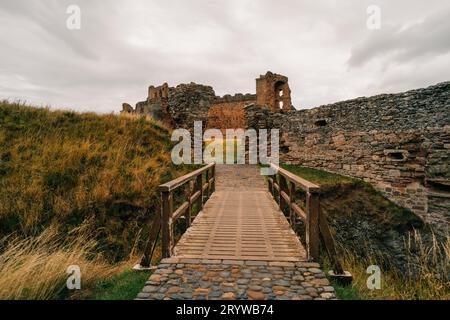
272	92
399	143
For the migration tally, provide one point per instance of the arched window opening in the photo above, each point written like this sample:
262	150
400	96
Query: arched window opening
279	94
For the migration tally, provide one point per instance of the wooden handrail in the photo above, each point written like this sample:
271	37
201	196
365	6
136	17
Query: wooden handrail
298	181
282	188
196	192
172	185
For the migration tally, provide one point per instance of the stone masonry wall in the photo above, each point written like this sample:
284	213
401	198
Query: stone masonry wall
272	91
400	143
228	112
179	107
189	103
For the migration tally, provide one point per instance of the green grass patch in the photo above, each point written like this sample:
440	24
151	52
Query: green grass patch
356	195
346	293
320	177
124	286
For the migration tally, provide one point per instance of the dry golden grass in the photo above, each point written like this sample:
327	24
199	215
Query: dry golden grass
35	267
426	271
76	189
62	168
427	280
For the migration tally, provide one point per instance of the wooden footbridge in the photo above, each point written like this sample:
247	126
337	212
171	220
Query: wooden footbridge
241	216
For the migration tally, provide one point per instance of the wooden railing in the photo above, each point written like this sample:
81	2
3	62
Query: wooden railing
283	186
196	194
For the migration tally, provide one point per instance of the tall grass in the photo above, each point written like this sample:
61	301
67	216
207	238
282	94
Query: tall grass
353	205
76	189
427	279
35	267
63	168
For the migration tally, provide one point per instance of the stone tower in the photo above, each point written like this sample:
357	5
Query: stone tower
158	102
161	92
272	90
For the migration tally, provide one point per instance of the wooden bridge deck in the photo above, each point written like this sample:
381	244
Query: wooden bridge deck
240	246
240	221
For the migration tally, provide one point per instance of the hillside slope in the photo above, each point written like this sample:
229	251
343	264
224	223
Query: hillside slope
371	230
64	169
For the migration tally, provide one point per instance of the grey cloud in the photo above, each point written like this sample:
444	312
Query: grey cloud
124	46
50	16
427	38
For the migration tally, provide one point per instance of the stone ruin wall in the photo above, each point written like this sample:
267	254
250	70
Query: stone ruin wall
272	90
189	103
180	106
228	112
400	143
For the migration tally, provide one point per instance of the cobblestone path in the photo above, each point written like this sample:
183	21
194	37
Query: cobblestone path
191	279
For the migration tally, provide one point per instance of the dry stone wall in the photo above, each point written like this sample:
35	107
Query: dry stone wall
189	103
400	143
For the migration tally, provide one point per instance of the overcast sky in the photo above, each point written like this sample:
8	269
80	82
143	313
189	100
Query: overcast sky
323	46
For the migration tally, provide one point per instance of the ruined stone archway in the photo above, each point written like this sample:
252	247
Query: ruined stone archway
281	93
272	90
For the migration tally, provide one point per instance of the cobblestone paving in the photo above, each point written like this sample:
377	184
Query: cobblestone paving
195	279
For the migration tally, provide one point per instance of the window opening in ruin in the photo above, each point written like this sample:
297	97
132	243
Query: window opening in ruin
396	156
279	95
439	186
321	123
284	149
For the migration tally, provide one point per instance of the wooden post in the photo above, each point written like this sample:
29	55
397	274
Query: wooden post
270	184
278	176
283	188
312	225
166	223
188	193
328	240
207	182
213	174
291	201
151	243
198	187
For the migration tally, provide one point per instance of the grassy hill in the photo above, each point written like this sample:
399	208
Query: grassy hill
72	181
371	230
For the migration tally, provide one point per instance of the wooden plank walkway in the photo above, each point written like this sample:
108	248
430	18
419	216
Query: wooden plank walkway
240	221
240	247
